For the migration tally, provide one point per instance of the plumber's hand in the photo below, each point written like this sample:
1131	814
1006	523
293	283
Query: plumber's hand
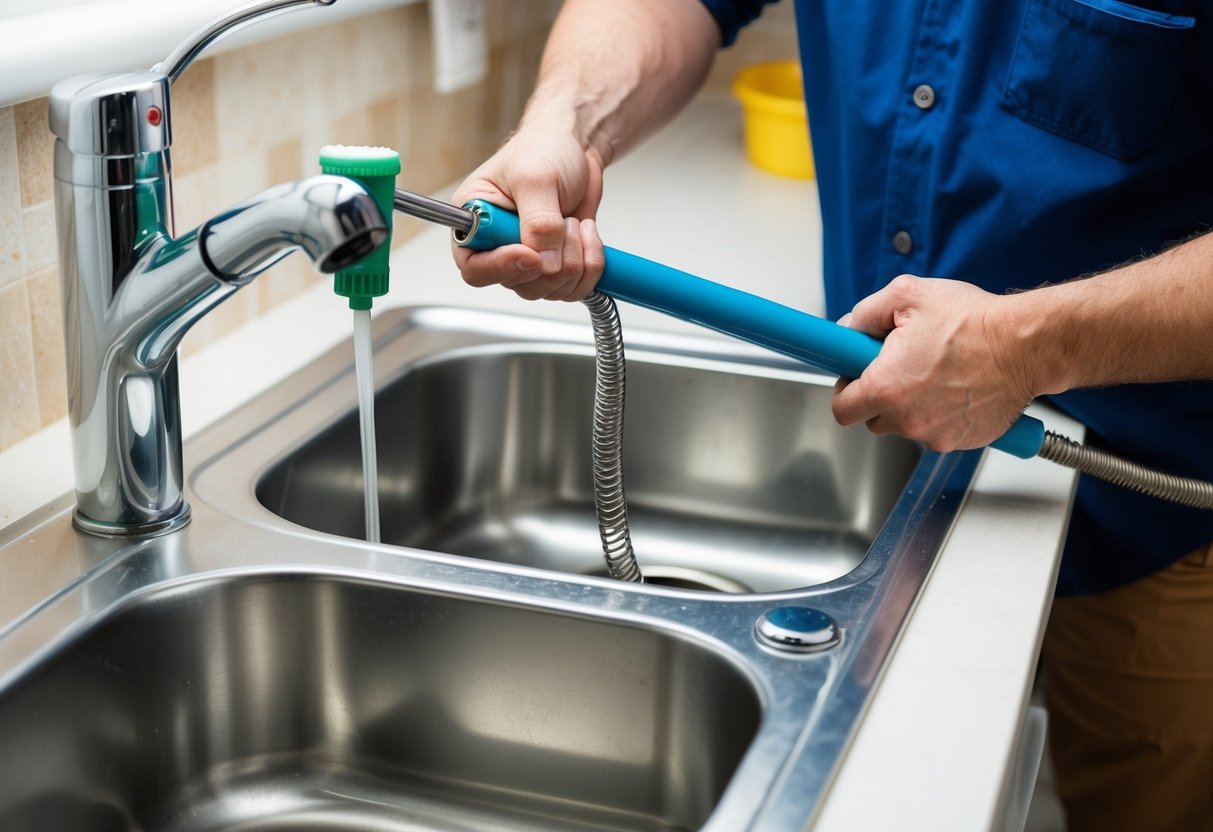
949	373
554	185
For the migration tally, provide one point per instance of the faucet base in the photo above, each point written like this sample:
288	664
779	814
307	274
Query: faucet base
112	530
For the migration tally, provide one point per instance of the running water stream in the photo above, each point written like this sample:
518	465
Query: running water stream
366	412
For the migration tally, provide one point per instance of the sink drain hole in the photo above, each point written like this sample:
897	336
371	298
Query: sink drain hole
683	577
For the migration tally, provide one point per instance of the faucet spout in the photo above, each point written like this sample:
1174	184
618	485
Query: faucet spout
331	219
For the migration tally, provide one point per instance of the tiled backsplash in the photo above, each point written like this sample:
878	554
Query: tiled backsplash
246	119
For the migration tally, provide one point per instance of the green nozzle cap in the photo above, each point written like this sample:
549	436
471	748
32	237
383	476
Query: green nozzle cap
376	169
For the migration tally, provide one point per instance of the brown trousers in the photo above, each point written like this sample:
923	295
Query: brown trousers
1129	688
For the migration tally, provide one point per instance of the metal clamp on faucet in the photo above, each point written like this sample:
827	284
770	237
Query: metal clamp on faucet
132	288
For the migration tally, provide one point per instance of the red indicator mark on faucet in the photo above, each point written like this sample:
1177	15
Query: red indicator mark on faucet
154	116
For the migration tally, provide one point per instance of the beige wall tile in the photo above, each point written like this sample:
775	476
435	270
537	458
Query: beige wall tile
46	324
505	20
419	148
498	87
196	197
280	88
262	93
35	151
538	14
234	312
499	24
327	73
200	195
351	127
12	236
389	50
284	161
510	84
417	47
195	136
18	392
469	118
513	68
285	279
198	336
384	118
312	136
241	176
41	245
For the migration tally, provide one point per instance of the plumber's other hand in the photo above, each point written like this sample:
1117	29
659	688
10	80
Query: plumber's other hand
555	186
950	373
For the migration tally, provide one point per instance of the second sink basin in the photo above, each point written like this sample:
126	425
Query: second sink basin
737	476
295	700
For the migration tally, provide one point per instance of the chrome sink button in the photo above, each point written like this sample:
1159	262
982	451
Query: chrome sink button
797	629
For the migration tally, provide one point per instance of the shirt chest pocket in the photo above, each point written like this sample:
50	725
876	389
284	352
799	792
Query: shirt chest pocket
1100	72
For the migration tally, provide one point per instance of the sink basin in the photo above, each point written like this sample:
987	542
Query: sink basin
305	701
263	668
737	477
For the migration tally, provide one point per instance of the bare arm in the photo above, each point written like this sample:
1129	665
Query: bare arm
621	69
960	364
611	74
1151	320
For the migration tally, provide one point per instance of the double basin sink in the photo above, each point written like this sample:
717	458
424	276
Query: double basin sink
266	669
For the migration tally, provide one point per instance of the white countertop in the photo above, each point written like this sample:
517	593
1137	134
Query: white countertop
935	748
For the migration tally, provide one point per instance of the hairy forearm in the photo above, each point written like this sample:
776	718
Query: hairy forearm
612	72
1147	321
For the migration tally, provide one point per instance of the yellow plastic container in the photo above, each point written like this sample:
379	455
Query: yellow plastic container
776	125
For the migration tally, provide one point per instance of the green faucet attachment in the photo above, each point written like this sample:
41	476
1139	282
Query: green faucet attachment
376	169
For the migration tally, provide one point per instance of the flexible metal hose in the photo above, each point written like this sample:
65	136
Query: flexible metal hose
609	500
1105	466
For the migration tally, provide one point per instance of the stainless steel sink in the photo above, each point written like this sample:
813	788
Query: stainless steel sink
299	700
486	453
263	669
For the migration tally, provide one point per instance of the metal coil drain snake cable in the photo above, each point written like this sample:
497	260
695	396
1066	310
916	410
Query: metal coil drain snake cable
609	383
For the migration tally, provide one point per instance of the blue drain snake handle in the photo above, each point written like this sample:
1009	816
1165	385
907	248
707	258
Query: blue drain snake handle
816	341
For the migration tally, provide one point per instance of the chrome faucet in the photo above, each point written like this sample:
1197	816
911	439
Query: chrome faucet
131	288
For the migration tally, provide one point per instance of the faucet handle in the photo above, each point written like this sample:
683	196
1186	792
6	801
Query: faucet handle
111	114
195	44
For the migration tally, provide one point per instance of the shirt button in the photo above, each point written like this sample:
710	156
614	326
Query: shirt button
924	96
903	242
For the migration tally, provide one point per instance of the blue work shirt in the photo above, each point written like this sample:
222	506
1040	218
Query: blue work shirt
1011	143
